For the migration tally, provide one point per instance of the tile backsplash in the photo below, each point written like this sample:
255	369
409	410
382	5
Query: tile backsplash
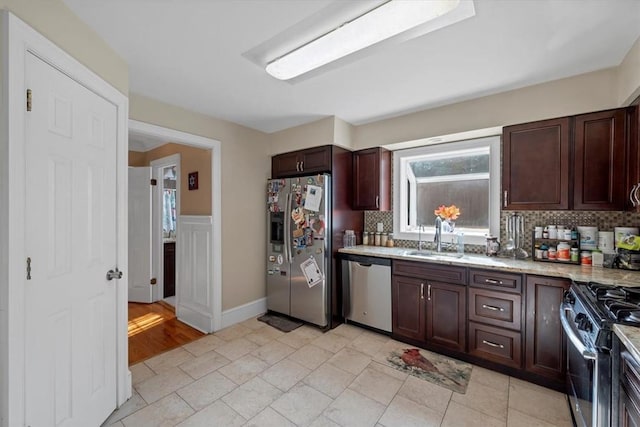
604	220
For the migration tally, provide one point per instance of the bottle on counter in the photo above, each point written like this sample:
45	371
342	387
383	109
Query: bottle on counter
365	238
390	242
575	254
383	239
574	232
585	258
564	251
349	239
377	239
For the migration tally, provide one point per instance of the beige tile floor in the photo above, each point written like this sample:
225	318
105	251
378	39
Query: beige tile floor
253	375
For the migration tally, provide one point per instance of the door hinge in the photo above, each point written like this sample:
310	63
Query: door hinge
154	182
28	99
28	268
153	281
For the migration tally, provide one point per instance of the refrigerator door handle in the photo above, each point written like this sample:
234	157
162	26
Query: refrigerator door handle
287	230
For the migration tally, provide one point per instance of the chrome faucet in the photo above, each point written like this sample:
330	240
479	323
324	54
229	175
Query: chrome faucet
420	242
438	236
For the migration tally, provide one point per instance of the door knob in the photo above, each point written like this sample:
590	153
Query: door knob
111	274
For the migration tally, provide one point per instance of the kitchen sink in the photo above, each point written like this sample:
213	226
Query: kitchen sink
433	254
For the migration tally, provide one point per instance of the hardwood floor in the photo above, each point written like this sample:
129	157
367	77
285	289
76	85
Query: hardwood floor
154	329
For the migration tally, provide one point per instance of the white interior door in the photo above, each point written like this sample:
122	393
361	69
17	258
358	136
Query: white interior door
140	202
70	238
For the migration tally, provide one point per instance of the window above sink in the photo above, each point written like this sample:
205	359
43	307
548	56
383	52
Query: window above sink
464	173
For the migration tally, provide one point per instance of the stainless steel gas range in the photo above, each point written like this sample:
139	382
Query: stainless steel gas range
588	312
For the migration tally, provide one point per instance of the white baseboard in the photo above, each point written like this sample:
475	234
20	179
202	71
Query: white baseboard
244	312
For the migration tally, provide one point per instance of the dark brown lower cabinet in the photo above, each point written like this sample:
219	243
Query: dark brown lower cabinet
446	307
545	347
629	406
629	412
408	316
429	311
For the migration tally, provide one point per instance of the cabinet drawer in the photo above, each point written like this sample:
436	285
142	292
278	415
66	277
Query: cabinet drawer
496	344
495	308
488	279
423	270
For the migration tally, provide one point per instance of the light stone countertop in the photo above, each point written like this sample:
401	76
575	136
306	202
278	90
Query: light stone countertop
630	337
570	271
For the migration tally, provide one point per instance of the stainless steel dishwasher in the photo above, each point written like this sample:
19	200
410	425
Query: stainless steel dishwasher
367	291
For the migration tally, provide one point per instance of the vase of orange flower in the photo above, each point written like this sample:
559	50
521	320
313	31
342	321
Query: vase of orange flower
448	214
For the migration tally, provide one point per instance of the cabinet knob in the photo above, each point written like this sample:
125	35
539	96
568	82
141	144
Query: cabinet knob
421	290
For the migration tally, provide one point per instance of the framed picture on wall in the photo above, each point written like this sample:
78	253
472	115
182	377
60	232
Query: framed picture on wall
193	180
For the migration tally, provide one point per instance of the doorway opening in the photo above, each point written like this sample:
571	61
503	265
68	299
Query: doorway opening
158	325
169	231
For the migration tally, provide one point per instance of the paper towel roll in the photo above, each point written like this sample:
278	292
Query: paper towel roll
605	241
620	232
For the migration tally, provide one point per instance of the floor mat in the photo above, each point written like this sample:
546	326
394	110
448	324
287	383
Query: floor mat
281	323
435	368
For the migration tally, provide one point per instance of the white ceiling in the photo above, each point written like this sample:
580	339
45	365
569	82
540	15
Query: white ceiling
189	53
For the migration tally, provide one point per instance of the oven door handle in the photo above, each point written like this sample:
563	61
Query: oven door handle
573	335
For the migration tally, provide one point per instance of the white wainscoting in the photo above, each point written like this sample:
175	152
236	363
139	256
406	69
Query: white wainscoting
194	272
243	312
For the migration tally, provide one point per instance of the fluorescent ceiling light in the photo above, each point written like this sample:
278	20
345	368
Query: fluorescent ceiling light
388	20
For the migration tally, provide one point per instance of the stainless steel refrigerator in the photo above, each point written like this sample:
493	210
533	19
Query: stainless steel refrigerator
299	247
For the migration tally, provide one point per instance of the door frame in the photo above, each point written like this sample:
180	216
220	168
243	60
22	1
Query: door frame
18	38
157	251
171	135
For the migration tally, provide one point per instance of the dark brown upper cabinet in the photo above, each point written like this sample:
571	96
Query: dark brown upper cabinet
578	162
599	161
632	195
302	162
372	179
535	168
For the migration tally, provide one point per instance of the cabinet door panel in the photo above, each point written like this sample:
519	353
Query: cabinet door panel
446	320
599	178
633	161
546	342
408	307
315	160
371	179
535	171
629	412
285	165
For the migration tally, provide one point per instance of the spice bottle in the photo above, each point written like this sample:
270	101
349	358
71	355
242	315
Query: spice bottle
390	242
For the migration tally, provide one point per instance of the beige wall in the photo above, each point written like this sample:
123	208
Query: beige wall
629	76
574	95
245	168
320	132
192	159
58	23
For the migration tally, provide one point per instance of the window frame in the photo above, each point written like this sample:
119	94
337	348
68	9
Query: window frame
400	214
